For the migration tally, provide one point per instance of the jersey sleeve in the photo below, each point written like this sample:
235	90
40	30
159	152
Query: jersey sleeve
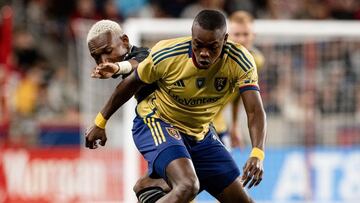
147	71
249	79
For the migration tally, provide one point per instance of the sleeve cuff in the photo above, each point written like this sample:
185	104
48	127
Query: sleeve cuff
138	77
248	87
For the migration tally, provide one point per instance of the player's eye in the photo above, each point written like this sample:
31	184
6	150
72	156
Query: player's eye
199	46
96	57
108	50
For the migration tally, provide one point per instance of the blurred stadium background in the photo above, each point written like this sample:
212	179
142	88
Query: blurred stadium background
310	86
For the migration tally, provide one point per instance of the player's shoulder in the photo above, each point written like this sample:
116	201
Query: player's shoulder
138	53
137	49
170	48
170	44
239	55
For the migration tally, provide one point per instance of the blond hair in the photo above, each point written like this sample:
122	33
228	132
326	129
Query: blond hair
104	26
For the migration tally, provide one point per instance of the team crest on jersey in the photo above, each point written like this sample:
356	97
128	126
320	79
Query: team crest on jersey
173	133
220	83
200	82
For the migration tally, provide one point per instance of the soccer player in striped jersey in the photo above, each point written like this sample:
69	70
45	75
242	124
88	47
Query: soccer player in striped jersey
195	76
241	31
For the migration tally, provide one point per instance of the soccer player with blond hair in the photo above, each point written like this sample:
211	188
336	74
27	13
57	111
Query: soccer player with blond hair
115	56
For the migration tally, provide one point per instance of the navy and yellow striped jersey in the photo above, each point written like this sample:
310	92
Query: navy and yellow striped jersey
189	97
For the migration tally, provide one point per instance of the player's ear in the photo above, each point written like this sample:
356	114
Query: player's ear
125	39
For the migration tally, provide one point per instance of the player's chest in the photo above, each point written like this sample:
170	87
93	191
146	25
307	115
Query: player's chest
191	82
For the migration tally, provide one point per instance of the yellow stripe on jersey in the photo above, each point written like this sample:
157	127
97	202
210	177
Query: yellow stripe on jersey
161	132
152	131
157	133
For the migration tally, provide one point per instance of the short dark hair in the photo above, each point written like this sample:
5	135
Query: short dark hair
210	20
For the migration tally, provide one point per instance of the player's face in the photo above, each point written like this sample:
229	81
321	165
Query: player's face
241	33
207	45
109	47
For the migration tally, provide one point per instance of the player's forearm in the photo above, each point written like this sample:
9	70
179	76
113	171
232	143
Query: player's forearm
123	92
257	127
235	110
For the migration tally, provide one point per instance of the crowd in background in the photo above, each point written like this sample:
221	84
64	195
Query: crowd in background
314	87
43	86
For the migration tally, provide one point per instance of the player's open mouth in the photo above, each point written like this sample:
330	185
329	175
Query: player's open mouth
204	63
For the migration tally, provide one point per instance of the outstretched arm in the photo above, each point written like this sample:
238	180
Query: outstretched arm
124	68
123	92
236	140
253	169
108	69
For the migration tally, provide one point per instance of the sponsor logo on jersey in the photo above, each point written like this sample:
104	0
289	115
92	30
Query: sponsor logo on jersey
173	133
193	101
220	83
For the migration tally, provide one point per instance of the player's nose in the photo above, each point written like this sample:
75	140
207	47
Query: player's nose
204	53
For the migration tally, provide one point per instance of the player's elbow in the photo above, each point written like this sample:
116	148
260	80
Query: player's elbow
258	114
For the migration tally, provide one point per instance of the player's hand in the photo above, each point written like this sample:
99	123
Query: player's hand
235	138
252	172
104	70
92	135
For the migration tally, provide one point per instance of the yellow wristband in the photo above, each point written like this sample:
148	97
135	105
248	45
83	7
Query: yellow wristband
258	153
100	121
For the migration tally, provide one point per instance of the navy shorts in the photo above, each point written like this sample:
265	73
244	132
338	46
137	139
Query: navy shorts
160	143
